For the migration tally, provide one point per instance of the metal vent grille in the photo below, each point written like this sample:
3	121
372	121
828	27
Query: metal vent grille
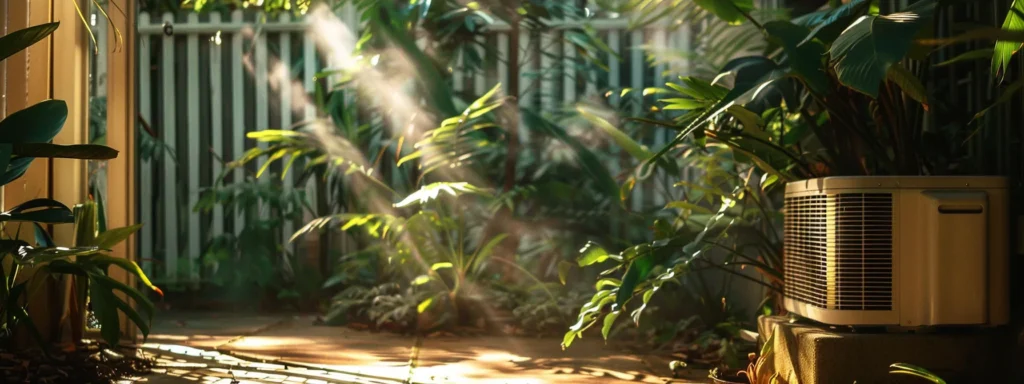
838	250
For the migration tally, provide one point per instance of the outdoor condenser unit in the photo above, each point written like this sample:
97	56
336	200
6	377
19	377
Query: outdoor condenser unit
898	251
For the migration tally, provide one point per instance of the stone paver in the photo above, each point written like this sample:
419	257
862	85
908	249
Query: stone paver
292	342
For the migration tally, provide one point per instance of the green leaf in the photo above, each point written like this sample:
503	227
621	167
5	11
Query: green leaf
629	282
1004	50
609	321
627	143
39	210
77	151
864	52
129	266
486	251
977	54
422	307
31	255
805	57
39	123
431	192
106	312
17	41
829	23
110	238
420	280
441	265
591	254
730	11
910	84
563	270
5	156
607	282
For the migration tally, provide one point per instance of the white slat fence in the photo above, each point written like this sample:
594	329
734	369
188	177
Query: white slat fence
202	96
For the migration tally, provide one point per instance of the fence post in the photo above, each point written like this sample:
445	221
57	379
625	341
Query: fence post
170	174
237	113
283	74
194	162
146	167
217	119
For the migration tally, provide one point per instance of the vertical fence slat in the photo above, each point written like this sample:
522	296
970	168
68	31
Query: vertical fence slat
146	169
502	61
614	83
285	84
101	59
636	81
216	118
548	52
192	47
479	80
170	175
262	87
237	112
309	65
459	73
525	51
659	46
569	64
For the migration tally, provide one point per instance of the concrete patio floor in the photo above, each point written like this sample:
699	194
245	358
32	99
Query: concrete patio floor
336	354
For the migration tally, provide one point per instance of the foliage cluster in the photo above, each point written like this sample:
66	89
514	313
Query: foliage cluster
27	268
460	221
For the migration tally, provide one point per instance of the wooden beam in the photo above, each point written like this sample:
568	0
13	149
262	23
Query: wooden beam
121	120
120	134
69	178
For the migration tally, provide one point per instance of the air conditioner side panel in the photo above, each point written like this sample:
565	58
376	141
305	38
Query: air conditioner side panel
946	257
998	257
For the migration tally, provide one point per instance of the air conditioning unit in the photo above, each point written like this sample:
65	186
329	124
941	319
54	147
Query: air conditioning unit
898	251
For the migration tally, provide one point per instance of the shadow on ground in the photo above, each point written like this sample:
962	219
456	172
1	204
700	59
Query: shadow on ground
294	339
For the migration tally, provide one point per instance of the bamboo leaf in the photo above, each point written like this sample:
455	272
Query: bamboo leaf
910	84
977	54
1004	50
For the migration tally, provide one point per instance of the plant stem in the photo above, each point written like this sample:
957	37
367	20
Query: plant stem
747	15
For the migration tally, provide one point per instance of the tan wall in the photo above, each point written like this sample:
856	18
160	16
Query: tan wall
57	68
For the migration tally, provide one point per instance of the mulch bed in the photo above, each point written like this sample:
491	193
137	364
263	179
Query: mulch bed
88	363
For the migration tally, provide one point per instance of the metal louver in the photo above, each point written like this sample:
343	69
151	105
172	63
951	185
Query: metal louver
839	250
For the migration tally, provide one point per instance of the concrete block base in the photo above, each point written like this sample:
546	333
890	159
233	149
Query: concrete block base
813	353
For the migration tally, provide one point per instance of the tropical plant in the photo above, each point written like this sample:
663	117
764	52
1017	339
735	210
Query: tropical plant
830	98
435	249
760	370
19	146
724	223
257	256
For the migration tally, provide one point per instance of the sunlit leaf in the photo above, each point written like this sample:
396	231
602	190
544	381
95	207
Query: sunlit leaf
862	58
432	192
420	280
1005	50
441	265
609	321
591	254
422	307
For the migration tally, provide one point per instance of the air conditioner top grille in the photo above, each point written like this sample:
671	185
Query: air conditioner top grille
838	250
